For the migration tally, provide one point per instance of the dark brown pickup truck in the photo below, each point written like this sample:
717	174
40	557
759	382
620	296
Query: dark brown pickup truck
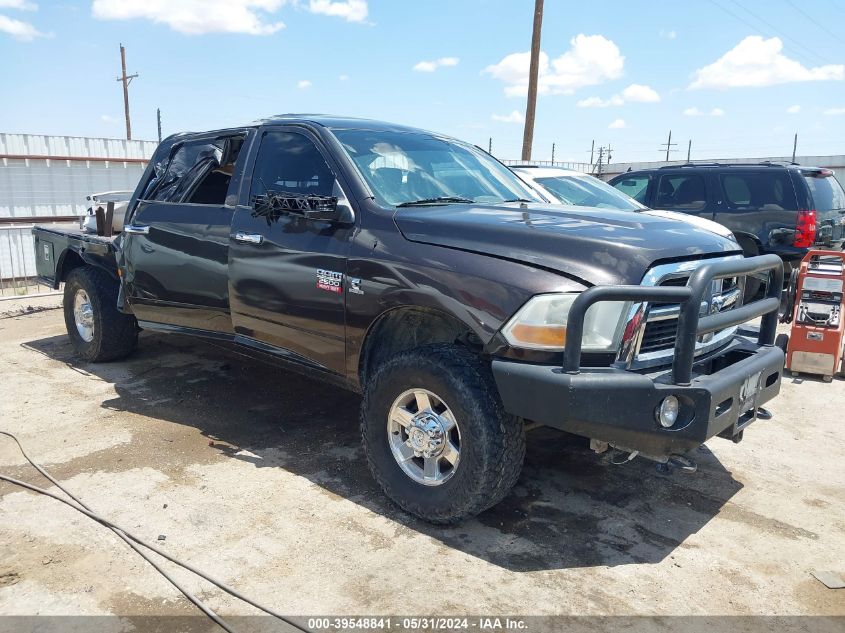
419	271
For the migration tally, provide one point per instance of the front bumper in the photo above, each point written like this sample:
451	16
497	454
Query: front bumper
719	395
618	406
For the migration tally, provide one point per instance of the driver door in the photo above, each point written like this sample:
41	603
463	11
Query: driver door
287	272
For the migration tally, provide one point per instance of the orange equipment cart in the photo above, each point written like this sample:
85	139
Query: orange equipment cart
816	310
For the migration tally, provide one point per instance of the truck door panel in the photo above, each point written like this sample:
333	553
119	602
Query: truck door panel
177	272
286	272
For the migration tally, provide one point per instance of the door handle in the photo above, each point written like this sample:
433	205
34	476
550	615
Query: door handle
248	238
136	230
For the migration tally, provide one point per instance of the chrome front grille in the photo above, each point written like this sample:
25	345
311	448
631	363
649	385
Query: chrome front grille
662	324
655	342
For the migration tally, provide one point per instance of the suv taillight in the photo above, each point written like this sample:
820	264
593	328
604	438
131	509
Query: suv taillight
805	228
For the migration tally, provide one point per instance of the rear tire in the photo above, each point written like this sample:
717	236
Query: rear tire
97	330
490	442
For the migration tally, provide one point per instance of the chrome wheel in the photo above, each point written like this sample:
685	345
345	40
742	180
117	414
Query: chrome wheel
424	437
83	315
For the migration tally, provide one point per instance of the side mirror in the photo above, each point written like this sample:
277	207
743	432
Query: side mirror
334	208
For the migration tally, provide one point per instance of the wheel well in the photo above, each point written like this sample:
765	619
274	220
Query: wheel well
402	329
745	240
69	261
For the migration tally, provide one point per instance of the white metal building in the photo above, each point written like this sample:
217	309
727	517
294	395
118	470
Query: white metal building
46	178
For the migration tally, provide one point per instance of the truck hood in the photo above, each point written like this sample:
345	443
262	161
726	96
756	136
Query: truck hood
598	246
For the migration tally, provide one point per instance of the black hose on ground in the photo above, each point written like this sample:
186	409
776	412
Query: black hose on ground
132	539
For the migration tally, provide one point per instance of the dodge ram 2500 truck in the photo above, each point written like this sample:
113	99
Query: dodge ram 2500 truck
421	272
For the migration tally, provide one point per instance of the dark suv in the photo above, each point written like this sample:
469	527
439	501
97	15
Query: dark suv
770	207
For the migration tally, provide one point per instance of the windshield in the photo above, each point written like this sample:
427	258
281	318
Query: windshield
587	191
827	192
403	168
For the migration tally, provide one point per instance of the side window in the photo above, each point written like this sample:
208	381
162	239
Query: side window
198	172
767	191
289	162
636	187
685	192
169	185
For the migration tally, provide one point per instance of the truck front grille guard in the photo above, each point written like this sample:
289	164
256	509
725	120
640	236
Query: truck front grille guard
690	297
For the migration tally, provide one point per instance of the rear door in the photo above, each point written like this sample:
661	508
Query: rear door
759	202
287	272
176	242
828	199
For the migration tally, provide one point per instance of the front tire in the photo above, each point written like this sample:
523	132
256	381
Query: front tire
97	330
436	436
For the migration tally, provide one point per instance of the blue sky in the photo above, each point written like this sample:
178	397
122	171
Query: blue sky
738	77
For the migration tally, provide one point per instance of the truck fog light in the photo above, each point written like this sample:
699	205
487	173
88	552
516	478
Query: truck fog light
667	412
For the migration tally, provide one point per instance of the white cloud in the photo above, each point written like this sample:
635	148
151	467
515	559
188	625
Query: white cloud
759	62
431	66
696	112
795	109
23	31
350	10
195	17
304	84
634	93
640	94
344	77
598	102
590	60
618	124
834	111
107	118
669	35
513	117
20	5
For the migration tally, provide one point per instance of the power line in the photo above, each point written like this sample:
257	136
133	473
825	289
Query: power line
813	20
813	56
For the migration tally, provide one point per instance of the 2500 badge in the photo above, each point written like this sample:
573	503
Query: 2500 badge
329	280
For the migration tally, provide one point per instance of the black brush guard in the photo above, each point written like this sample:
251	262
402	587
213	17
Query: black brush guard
719	392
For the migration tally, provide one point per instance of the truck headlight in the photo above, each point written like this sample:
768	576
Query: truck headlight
541	324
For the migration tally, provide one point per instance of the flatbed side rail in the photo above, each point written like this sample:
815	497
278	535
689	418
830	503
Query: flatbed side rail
690	297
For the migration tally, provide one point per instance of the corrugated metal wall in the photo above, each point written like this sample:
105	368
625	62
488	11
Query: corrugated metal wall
58	186
50	176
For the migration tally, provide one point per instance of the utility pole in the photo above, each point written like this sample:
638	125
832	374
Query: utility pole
669	145
601	160
490	145
553	154
126	79
533	73
794	147
592	151
158	121
689	150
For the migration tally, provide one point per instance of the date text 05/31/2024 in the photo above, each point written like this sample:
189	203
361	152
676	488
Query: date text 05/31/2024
417	623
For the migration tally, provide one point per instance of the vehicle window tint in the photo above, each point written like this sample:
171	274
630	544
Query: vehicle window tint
767	191
826	191
188	163
685	192
288	162
635	187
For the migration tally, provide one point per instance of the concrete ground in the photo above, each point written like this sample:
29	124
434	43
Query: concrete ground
256	475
